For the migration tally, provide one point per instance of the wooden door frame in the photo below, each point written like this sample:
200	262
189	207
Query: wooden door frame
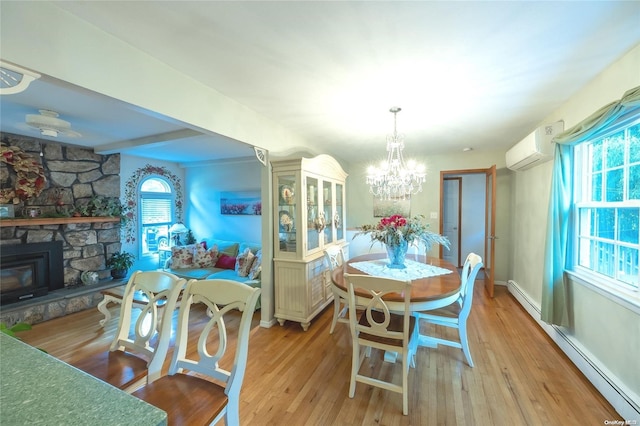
484	171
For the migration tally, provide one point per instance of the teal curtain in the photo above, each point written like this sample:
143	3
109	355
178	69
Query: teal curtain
558	249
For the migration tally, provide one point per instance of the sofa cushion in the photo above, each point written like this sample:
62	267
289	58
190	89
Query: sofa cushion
254	247
226	262
256	267
244	261
182	256
229	248
204	258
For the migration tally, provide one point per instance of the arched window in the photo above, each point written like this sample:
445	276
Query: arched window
156	201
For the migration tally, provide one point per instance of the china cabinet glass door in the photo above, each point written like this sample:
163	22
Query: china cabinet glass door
314	215
287	213
338	218
327	199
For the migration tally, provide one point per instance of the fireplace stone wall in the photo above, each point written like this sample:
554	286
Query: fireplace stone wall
73	176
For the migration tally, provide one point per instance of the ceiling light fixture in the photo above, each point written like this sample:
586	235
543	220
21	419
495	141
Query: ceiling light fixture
50	125
394	178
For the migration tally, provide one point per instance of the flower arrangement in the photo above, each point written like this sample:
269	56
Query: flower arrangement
395	229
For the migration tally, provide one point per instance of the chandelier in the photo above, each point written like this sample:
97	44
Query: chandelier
394	178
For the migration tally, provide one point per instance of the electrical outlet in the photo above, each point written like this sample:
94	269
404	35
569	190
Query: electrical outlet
434	215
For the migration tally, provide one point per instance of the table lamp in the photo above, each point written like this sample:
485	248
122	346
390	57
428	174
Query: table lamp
176	230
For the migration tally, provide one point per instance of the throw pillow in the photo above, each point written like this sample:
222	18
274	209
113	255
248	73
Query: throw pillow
182	257
204	258
254	272
244	262
226	262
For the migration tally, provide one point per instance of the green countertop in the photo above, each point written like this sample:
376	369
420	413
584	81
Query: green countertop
38	389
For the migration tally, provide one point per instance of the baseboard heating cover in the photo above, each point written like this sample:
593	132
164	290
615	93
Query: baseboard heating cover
626	403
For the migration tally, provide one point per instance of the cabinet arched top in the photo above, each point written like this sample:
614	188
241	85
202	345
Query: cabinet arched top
321	165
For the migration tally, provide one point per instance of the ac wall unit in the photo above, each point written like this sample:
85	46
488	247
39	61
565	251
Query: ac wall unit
534	149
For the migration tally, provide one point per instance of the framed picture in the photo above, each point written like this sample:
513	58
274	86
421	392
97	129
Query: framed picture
241	203
385	208
6	210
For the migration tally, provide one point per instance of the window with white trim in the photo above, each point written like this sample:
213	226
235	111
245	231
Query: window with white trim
156	205
607	207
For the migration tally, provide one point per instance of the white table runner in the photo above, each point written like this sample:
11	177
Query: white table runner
414	270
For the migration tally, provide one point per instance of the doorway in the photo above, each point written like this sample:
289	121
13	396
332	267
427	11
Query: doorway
467	209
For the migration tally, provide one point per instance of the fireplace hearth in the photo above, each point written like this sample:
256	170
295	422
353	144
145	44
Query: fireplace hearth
28	271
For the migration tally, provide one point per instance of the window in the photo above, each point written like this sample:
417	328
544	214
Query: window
608	206
156	201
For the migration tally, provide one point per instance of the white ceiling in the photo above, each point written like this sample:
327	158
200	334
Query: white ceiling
477	74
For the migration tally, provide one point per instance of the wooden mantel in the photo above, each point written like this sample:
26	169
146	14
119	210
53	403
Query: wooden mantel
55	221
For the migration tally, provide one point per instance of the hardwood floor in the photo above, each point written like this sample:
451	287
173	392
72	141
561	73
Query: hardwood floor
302	378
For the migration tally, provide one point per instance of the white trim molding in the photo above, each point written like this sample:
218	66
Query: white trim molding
626	402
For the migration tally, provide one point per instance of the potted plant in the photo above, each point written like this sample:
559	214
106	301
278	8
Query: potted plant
120	264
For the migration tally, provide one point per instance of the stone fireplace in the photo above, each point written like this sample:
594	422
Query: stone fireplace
73	177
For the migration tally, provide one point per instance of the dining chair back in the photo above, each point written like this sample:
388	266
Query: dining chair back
384	325
334	258
187	396
456	314
139	338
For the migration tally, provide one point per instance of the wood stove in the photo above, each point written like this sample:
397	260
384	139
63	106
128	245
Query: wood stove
31	270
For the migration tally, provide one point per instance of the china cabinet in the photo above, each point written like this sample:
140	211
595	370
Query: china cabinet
309	215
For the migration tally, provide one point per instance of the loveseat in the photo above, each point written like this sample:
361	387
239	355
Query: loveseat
221	259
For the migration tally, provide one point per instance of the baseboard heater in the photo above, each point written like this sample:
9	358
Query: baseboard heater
606	383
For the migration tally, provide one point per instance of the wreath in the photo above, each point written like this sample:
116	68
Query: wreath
30	179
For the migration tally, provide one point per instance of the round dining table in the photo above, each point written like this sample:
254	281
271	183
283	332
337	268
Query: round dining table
426	293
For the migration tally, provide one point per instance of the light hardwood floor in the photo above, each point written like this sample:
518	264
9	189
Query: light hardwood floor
302	378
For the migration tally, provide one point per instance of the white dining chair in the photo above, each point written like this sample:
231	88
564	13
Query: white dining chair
156	294
381	326
334	258
187	393
456	314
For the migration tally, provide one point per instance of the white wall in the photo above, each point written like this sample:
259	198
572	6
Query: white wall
204	185
606	332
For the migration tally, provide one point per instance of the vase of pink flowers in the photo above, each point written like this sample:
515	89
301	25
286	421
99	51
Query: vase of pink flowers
397	232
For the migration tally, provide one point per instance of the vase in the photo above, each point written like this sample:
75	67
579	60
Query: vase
89	278
118	274
396	253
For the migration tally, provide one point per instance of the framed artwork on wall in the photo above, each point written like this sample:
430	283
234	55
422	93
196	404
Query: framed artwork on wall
241	203
386	208
7	211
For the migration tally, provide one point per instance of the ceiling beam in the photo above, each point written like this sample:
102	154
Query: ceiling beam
147	141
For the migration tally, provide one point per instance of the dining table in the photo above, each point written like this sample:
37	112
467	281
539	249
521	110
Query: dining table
435	283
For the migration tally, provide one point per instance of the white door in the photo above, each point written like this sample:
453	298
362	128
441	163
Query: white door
452	188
